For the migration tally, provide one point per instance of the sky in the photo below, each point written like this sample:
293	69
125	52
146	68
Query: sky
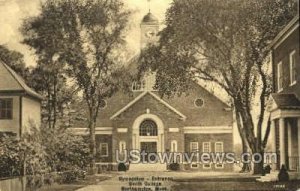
13	13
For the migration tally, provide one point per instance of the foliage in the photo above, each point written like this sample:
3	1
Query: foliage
15	60
64	150
43	153
225	42
87	36
174	166
283	174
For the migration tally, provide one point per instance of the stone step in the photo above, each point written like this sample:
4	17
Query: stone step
147	167
273	176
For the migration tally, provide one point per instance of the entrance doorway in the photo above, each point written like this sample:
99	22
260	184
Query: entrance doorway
148	148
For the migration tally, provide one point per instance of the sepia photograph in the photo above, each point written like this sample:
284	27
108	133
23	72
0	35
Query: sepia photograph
149	95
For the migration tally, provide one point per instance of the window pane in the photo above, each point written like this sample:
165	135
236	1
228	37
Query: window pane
148	128
6	108
103	149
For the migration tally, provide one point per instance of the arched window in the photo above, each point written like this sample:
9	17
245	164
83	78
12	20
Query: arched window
148	128
173	146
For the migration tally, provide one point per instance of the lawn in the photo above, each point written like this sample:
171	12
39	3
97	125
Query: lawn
236	186
90	180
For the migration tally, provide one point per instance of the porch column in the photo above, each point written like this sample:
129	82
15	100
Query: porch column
289	137
281	142
273	142
298	124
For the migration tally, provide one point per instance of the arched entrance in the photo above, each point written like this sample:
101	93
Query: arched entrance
148	133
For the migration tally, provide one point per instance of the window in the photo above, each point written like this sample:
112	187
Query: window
122	146
138	86
206	147
6	105
207	166
194	147
103	149
279	77
199	102
194	165
148	128
293	73
219	147
173	146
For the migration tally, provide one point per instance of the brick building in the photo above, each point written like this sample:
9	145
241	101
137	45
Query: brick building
141	119
285	101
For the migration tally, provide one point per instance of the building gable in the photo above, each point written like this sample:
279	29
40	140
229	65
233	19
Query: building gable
159	100
16	83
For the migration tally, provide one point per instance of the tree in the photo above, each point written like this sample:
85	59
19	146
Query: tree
225	42
15	60
87	36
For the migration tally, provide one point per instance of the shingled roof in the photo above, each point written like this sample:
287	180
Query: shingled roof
10	81
286	101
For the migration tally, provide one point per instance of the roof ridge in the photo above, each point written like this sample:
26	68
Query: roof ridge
20	80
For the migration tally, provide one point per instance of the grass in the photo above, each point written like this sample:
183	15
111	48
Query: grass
90	180
237	186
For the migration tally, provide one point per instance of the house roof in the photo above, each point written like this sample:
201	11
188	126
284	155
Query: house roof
290	27
11	81
141	96
286	101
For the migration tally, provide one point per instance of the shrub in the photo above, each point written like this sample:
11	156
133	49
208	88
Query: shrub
174	167
283	174
72	176
122	167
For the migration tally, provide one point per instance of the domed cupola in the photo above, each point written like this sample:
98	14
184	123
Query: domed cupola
150	19
149	30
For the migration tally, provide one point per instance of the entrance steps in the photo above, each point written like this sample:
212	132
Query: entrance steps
147	167
273	176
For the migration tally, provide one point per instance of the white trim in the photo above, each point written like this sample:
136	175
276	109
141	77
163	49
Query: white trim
122	144
100	147
216	166
122	130
173	130
85	131
278	113
207	129
292	81
168	105
204	167
137	139
279	73
283	35
193	163
175	148
142	95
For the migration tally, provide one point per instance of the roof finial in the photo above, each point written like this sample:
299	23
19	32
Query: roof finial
149	5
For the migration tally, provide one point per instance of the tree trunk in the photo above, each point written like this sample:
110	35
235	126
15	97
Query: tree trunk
92	145
54	99
246	166
259	167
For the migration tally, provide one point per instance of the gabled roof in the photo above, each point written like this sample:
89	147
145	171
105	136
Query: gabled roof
290	27
141	96
11	81
286	101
